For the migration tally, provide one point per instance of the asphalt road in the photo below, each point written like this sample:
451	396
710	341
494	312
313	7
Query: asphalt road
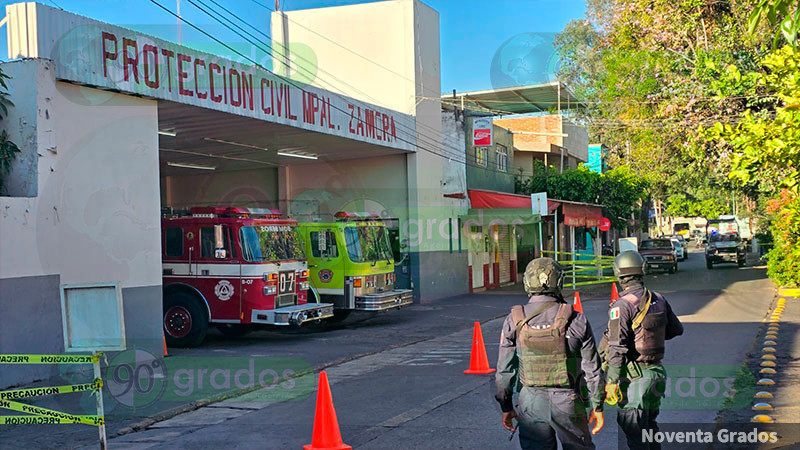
397	379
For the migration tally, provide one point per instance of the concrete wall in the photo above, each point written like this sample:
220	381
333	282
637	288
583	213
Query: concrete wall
253	188
577	141
95	217
321	189
388	54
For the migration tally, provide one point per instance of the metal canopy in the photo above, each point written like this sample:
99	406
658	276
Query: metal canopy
226	142
544	97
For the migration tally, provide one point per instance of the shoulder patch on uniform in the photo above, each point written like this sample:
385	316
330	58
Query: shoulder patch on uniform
613	314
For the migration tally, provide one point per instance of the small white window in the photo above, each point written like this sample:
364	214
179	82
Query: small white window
502	158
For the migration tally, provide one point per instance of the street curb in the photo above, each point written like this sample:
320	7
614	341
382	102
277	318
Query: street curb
172	412
744	367
789	292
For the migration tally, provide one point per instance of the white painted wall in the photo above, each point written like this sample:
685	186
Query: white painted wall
256	188
96	215
388	53
319	190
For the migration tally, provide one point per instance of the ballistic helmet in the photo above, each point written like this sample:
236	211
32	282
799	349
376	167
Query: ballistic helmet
543	276
628	263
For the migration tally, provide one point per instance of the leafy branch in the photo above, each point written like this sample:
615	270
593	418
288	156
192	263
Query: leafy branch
8	149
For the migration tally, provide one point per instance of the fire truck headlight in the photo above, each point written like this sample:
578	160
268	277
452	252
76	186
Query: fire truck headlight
304	285
270	290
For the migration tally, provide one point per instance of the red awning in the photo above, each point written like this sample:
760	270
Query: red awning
575	214
492	199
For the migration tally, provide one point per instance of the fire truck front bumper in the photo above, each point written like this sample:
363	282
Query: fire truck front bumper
383	301
293	315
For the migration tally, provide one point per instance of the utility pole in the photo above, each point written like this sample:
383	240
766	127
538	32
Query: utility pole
180	19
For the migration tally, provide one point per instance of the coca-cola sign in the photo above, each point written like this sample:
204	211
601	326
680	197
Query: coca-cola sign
482	132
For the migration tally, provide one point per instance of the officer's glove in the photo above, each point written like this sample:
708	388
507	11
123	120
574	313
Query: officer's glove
613	394
508	420
598	416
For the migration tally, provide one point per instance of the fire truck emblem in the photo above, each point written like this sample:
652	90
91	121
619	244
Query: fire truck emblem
325	275
224	290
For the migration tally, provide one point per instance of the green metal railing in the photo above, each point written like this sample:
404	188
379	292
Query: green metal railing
583	269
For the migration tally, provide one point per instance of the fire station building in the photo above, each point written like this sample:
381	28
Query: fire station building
115	124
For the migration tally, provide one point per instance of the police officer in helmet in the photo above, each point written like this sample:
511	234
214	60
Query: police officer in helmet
543	347
633	347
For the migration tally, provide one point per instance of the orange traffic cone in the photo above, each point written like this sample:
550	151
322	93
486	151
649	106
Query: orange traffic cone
326	433
614	293
478	361
576	304
165	346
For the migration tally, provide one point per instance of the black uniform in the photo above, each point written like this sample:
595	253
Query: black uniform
634	359
547	412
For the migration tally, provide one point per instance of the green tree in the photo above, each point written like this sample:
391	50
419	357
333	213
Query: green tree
8	149
646	71
619	190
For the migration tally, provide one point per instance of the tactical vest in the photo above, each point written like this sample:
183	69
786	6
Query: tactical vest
543	350
649	326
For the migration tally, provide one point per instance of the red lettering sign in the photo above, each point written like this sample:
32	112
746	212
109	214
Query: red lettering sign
106	54
132	61
148	49
201	63
182	75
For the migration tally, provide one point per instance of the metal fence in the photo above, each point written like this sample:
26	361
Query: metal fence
583	269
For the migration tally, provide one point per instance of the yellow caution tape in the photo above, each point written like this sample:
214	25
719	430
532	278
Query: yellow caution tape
38	411
42	420
50	390
50	359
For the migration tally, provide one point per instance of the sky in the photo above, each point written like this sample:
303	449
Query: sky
484	43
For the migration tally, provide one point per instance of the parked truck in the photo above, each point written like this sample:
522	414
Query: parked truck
351	264
233	268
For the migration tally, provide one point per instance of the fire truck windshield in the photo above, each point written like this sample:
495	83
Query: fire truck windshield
367	243
271	243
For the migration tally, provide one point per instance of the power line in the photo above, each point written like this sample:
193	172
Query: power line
430	140
271	50
289	81
457	155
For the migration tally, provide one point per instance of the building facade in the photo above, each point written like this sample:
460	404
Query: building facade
550	139
119	124
490	167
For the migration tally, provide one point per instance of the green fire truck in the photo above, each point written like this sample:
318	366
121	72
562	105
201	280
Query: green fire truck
351	264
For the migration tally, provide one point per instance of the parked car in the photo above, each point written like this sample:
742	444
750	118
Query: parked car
684	245
659	255
680	253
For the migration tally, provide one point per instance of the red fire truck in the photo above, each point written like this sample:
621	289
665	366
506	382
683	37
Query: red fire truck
233	268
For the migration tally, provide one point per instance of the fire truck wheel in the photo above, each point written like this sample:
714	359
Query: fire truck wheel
185	320
233	330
